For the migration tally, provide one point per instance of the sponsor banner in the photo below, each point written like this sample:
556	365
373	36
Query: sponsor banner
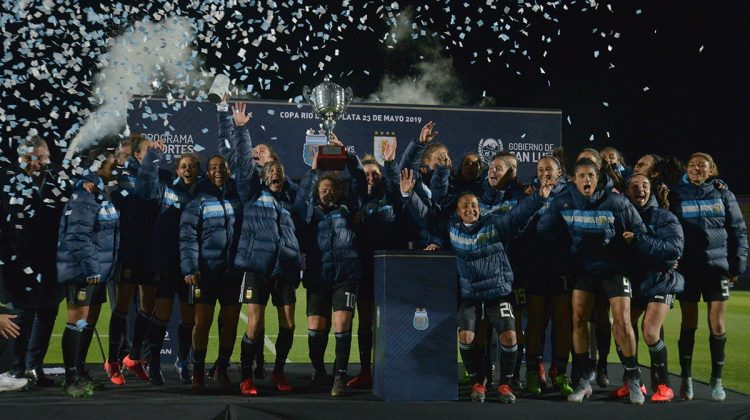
192	127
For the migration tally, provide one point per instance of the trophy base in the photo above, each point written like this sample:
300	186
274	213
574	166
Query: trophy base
331	158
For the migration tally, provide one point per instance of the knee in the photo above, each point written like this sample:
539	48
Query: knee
650	335
508	338
717	327
466	337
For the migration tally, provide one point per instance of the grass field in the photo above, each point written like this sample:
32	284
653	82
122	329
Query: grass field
737	348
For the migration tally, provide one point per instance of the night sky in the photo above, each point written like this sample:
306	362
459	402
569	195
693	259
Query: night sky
674	82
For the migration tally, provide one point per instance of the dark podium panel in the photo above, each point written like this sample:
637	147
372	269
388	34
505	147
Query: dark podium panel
415	326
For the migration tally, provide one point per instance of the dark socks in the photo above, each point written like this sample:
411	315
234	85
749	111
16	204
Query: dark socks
520	351
343	348
716	343
84	342
156	331
283	345
469	355
139	333
507	363
658	352
603	343
222	362
317	340
581	366
260	358
630	363
249	348
199	360
185	336
561	364
116	335
69	347
685	346
364	339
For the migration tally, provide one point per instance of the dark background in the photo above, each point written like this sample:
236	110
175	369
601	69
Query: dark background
696	101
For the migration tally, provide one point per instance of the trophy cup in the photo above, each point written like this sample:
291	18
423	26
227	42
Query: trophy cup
219	89
329	101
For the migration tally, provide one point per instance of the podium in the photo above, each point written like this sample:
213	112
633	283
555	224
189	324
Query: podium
415	326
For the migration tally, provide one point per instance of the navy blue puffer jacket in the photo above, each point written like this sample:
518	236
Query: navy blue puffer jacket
595	226
268	244
209	228
483	267
329	240
660	248
88	237
164	256
137	216
715	232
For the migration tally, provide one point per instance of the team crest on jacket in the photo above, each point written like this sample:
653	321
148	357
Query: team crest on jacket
421	320
488	148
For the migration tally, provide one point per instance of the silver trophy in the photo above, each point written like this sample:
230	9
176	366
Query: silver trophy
329	102
219	89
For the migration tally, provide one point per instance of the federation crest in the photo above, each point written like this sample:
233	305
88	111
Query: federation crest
488	148
380	142
81	295
421	320
602	220
312	141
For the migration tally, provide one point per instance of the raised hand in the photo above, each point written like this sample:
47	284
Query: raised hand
332	139
628	236
546	188
427	133
238	113
315	159
407	181
389	151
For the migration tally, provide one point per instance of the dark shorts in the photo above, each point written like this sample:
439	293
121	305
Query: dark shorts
81	294
713	286
134	274
550	286
640	301
168	285
518	298
341	297
257	288
224	286
499	313
610	287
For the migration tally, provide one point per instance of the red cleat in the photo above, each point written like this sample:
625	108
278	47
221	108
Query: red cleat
137	367
247	387
662	394
113	372
478	392
279	379
624	391
361	381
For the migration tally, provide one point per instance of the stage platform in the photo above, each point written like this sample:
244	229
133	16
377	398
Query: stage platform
141	401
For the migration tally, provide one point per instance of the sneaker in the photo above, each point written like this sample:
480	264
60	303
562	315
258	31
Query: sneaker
505	394
77	389
602	379
221	378
686	389
532	384
136	366
717	390
199	381
319	381
564	385
38	378
592	370
248	388
282	384
85	378
582	392
361	381
478	392
339	385
636	393
9	383
662	394
114	373
624	391
154	375
183	370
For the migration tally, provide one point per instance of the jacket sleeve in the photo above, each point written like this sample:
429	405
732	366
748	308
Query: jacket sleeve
736	235
392	178
303	203
190	228
247	174
510	223
79	233
417	208
147	183
412	156
226	136
359	181
665	247
631	219
441	188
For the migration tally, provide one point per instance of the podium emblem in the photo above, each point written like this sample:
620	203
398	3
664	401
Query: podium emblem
421	321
